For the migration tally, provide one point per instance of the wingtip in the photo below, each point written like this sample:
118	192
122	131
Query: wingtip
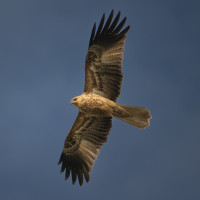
92	34
80	183
60	160
127	28
119	13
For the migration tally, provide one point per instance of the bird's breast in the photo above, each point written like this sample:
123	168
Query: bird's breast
96	105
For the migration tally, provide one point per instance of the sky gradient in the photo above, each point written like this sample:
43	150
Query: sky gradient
42	54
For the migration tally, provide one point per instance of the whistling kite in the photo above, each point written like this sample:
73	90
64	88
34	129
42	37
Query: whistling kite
97	105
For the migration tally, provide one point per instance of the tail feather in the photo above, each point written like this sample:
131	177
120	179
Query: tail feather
138	116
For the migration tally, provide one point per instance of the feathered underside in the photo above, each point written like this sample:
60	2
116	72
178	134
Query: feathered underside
103	76
82	145
103	65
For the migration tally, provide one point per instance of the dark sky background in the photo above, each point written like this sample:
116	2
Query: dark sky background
43	44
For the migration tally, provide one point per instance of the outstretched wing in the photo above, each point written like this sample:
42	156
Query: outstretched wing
103	65
82	145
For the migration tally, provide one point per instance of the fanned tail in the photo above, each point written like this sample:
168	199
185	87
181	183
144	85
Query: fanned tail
137	116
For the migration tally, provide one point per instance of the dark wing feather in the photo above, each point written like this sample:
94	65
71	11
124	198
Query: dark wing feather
103	65
82	145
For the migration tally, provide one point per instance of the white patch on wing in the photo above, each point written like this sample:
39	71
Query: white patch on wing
95	91
113	54
94	155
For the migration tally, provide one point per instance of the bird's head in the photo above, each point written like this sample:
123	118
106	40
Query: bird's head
74	101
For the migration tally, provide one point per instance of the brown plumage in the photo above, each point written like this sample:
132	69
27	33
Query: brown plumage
97	105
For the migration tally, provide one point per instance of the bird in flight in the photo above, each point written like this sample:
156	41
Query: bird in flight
97	105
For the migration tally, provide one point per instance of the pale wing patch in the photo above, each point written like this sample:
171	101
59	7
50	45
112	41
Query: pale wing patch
82	146
103	66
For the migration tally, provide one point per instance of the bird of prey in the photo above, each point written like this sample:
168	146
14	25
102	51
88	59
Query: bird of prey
97	105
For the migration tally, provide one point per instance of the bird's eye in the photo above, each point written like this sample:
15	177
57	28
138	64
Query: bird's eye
74	99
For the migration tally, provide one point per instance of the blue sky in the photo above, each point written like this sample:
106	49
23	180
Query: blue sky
42	53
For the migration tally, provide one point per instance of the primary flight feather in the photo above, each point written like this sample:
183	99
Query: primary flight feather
97	105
